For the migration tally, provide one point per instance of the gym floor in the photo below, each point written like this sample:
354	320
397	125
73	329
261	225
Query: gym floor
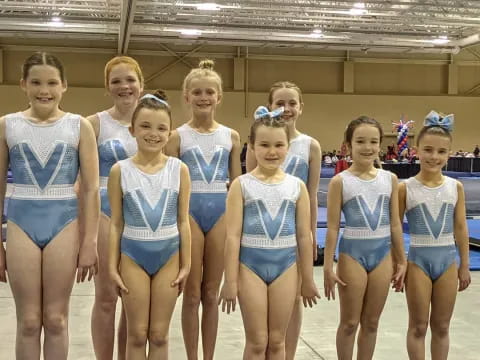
318	334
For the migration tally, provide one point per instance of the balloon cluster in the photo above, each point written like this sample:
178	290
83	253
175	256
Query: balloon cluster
402	128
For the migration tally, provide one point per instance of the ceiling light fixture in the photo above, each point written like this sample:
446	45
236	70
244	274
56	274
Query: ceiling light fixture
441	40
56	22
190	32
208	7
358	9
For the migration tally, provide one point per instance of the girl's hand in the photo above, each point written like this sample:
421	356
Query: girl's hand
87	262
464	279
309	293
228	297
181	280
398	277
329	280
118	281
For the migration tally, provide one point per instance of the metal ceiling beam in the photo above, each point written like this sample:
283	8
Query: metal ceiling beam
177	55
167	67
126	20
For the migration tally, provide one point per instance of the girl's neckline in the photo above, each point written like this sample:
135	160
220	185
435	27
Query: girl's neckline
365	180
203	133
147	173
116	121
266	183
41	123
431	187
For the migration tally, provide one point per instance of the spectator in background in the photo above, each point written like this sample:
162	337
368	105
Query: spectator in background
327	160
476	151
243	158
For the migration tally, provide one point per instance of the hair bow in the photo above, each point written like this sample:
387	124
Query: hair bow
262	112
156	98
435	119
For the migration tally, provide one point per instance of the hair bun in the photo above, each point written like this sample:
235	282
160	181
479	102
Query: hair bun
159	93
206	64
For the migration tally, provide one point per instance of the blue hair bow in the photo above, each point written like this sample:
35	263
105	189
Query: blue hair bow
156	98
435	119
262	112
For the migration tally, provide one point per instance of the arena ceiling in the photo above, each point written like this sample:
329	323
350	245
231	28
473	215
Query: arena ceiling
429	26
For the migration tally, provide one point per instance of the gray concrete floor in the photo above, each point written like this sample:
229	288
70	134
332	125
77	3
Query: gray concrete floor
317	339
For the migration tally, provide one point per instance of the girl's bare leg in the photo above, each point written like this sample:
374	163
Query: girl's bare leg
284	288
59	265
444	295
419	293
103	313
137	307
378	285
24	263
212	276
253	300
295	324
193	293
162	303
351	303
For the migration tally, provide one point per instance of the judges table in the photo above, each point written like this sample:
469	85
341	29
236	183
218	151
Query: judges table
402	170
462	164
458	164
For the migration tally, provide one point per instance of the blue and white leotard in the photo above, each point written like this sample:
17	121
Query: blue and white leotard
269	243
207	156
366	207
430	214
114	143
297	161
150	208
44	163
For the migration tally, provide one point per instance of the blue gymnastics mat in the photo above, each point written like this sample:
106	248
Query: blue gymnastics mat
322	218
474	253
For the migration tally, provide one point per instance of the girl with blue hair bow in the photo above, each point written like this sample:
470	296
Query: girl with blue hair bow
303	160
435	208
268	220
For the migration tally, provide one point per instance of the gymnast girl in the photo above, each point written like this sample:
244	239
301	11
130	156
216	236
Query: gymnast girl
435	208
212	154
47	148
124	85
149	257
268	217
303	161
368	198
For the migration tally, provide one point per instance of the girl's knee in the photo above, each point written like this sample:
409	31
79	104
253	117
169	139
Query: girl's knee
55	323
419	329
106	303
137	337
157	338
30	325
276	341
192	299
369	325
210	295
348	328
440	328
258	343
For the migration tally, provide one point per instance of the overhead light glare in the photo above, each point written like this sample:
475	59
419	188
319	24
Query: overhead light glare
316	34
317	31
441	40
208	7
358	9
56	21
190	32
